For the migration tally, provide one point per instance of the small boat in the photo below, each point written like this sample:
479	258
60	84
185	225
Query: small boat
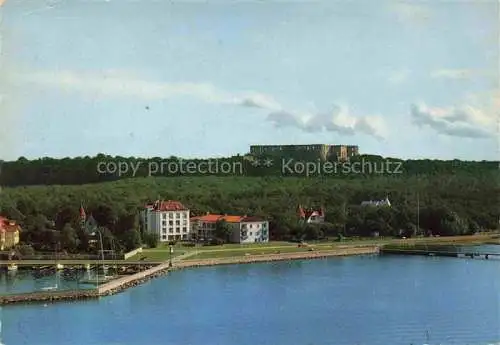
12	267
59	266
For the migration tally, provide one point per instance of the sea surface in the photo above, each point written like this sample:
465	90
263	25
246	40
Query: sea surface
351	300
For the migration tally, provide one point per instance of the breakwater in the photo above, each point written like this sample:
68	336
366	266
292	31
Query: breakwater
123	283
365	250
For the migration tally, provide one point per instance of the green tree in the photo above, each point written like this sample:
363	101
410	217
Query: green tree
151	239
132	239
223	231
69	238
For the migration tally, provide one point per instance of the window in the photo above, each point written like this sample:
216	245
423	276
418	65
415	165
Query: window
163	222
170	222
177	215
250	233
164	237
163	215
184	229
184	222
170	215
170	230
177	230
177	222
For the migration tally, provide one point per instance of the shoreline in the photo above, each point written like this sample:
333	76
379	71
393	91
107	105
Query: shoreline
121	284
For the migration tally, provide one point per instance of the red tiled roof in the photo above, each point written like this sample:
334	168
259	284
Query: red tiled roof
169	205
7	225
208	218
302	214
252	219
306	213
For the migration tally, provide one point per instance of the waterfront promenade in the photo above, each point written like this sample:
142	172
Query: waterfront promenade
223	256
180	262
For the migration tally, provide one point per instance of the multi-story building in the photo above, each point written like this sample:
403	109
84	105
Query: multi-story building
352	151
316	151
169	220
9	233
244	229
311	215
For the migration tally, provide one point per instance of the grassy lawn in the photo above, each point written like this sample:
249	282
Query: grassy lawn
238	253
161	253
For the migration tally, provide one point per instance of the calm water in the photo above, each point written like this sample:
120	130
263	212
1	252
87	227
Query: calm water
22	281
353	300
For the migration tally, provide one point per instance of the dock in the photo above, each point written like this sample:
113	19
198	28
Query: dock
109	287
434	252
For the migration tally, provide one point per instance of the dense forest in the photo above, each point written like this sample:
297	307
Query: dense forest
428	197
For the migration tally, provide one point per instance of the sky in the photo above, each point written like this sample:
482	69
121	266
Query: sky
209	78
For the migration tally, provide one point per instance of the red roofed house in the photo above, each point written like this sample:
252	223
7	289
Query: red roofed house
168	219
9	233
245	229
311	216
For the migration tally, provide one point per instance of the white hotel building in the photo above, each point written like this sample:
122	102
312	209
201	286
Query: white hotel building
169	220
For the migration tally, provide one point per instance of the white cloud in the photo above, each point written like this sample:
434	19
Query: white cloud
460	73
121	84
339	120
115	84
466	121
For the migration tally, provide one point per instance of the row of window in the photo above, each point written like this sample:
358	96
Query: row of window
171	222
244	226
171	215
171	230
176	237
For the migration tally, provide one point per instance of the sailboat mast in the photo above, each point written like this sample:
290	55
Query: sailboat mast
418	212
345	218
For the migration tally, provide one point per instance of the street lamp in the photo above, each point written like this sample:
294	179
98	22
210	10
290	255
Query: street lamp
171	251
114	255
102	255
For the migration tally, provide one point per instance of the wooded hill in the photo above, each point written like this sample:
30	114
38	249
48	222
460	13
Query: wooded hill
44	195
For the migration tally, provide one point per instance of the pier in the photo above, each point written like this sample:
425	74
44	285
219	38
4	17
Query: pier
434	252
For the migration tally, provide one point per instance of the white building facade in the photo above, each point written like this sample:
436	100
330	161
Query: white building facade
244	229
169	220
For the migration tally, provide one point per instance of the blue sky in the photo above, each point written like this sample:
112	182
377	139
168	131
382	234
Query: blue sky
200	79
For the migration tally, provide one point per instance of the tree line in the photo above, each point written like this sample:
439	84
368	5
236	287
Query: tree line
105	168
